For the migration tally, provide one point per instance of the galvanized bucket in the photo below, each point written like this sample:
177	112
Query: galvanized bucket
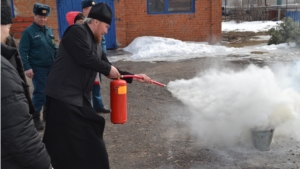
262	139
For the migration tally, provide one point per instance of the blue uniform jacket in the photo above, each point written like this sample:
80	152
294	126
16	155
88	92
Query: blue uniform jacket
103	44
37	47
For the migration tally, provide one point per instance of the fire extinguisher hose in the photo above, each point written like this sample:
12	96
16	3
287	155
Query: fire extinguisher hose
140	77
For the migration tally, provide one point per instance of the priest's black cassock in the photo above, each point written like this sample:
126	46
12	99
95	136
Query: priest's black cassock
74	131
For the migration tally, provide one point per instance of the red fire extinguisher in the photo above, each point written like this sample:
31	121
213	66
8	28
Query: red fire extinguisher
118	98
118	101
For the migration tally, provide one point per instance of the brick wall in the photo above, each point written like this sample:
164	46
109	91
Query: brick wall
24	16
19	24
133	21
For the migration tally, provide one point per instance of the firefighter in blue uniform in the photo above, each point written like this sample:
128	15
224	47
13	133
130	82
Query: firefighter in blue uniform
38	49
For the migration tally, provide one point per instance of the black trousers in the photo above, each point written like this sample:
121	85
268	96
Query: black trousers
74	136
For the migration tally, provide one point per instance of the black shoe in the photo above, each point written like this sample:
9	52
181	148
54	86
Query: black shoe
38	124
103	110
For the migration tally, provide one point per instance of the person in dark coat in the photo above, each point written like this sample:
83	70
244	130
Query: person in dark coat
21	146
97	101
74	131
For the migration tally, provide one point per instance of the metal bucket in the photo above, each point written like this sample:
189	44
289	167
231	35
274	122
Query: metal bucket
262	139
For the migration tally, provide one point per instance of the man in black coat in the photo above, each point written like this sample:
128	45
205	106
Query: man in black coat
21	146
74	131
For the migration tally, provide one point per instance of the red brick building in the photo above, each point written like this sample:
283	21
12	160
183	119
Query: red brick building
201	21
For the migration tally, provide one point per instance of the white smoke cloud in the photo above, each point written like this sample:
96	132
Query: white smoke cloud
226	105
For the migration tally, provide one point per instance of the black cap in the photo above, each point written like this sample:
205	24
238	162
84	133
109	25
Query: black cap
87	3
101	12
6	17
41	9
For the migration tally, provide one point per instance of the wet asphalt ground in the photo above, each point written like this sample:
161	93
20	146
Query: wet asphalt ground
156	135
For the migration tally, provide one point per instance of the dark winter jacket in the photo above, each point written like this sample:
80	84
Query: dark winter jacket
21	146
78	60
12	55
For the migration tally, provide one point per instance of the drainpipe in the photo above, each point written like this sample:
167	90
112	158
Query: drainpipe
211	14
211	36
225	9
279	2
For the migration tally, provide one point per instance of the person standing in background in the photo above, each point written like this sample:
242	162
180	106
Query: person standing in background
96	92
74	17
21	146
38	49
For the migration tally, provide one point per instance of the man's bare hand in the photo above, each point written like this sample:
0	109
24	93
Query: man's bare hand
29	73
114	73
145	79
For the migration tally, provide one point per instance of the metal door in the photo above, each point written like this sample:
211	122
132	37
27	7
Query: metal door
295	15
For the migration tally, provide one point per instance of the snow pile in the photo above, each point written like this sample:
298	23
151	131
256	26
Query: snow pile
254	26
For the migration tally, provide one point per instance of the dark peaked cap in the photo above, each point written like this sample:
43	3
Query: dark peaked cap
87	3
41	9
6	17
101	12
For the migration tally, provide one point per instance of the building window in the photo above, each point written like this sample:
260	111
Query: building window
170	6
